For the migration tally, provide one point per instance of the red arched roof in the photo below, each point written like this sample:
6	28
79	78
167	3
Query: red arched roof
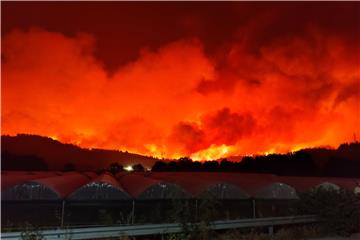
11	179
90	174
64	185
276	190
345	183
135	184
248	182
104	178
302	184
197	182
107	178
192	182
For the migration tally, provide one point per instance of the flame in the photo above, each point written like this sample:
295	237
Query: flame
154	150
287	93
53	137
270	151
298	147
212	153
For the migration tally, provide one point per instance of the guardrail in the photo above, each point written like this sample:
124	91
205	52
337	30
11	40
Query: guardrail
154	229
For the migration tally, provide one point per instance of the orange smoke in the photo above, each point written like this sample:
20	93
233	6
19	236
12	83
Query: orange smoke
298	91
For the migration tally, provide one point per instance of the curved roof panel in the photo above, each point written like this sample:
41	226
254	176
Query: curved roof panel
64	185
135	184
194	183
346	183
247	182
104	187
11	179
163	190
277	191
328	186
90	174
154	185
33	187
197	182
225	191
303	184
29	191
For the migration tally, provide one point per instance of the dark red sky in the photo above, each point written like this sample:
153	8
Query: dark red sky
205	79
153	24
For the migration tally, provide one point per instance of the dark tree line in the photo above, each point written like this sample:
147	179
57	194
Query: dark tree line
115	168
10	161
342	162
14	162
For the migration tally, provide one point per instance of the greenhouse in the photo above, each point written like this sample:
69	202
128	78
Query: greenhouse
104	187
41	187
90	186
328	186
30	190
276	191
75	198
225	191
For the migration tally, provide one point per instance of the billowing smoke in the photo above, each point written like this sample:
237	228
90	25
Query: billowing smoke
293	91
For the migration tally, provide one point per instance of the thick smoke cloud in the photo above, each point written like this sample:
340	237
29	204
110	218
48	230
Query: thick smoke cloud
295	90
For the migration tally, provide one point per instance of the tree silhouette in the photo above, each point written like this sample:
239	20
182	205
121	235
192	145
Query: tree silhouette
138	168
341	162
115	168
159	166
69	167
11	161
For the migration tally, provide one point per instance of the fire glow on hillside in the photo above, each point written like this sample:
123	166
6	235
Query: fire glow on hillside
273	83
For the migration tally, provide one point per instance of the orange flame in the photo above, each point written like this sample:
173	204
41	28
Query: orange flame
212	153
295	92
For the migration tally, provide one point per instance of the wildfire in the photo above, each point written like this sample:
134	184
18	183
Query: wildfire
212	153
299	147
258	92
271	151
154	150
53	137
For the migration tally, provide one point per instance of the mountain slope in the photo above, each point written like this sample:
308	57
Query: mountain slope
56	154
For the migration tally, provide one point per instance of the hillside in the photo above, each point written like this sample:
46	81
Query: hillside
32	152
56	154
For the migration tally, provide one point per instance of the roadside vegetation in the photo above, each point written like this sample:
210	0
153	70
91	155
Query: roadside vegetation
338	209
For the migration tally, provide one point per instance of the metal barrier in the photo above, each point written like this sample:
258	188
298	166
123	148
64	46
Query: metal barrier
154	229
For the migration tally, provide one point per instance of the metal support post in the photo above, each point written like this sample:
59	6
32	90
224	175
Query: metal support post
271	230
254	208
62	213
133	212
